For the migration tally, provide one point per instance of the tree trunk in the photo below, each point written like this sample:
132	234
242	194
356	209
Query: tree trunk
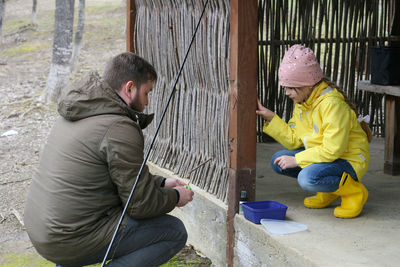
2	14
60	68
34	12
78	34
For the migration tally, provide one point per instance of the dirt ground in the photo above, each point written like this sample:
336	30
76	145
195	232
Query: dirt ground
25	56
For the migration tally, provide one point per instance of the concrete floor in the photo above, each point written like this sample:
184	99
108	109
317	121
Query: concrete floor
372	239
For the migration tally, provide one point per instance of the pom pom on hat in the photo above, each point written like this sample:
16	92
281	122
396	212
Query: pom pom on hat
299	68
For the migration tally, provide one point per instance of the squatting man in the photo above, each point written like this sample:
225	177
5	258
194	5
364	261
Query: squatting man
87	169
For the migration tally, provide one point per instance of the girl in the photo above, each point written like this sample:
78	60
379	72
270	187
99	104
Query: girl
328	148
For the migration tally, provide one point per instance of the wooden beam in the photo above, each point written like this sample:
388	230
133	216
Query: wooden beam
242	108
392	136
130	25
366	85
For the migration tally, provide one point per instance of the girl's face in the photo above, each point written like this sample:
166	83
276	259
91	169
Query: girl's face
298	94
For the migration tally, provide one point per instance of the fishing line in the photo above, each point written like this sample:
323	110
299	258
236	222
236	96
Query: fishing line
154	138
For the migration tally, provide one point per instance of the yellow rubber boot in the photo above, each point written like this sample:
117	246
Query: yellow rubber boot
320	200
353	194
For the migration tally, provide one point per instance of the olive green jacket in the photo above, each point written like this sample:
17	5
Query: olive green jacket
86	172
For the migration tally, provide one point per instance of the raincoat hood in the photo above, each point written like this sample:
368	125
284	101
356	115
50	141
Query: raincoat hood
92	96
317	95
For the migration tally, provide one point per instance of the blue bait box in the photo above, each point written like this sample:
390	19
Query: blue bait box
256	210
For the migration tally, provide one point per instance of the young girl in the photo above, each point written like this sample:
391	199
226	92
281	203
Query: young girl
328	148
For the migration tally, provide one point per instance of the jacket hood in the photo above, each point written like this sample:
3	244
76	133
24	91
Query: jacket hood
91	96
319	93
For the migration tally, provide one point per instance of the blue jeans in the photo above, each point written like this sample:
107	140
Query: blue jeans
149	242
317	177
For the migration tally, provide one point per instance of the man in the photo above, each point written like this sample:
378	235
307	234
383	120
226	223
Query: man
86	172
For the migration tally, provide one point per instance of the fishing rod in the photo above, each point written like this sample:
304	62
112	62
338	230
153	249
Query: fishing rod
154	138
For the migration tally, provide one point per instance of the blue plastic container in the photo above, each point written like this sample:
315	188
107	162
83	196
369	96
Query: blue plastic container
256	210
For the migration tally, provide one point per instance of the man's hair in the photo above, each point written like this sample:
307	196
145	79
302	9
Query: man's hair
128	67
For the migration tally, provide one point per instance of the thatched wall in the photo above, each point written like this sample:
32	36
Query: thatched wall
196	125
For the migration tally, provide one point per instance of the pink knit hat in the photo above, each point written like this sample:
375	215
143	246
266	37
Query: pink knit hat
299	68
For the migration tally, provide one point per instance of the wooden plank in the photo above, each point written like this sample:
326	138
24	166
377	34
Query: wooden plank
366	85
392	138
242	107
130	25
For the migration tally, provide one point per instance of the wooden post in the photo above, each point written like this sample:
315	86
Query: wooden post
242	108
130	25
392	123
392	139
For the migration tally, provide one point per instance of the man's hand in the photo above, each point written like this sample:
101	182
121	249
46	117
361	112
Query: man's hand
172	182
265	113
286	162
185	195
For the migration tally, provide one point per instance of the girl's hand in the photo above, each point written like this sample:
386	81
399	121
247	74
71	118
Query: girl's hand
286	162
265	113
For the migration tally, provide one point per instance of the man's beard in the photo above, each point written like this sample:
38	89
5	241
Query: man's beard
136	106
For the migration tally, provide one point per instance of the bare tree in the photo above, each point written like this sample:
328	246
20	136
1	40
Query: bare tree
78	34
2	14
34	12
60	68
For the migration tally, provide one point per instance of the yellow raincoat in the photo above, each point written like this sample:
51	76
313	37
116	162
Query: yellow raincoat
328	129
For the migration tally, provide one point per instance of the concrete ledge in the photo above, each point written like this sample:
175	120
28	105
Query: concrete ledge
204	218
255	247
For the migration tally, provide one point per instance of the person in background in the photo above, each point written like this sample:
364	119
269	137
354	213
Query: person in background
86	172
327	146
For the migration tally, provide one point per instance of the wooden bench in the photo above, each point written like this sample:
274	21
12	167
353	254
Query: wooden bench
392	124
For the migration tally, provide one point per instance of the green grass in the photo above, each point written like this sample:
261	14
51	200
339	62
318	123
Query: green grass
100	10
178	262
29	260
101	21
45	21
12	25
24	48
33	260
